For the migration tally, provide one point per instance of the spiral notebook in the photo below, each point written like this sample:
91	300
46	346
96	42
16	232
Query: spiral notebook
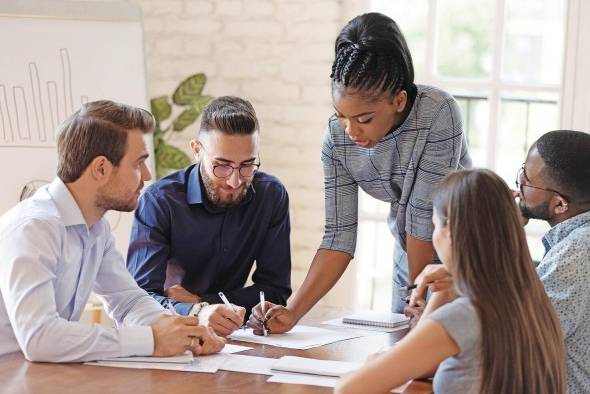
376	319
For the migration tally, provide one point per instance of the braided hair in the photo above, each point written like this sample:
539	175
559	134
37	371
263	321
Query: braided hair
372	57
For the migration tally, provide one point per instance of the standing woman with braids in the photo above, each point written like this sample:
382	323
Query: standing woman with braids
489	326
393	139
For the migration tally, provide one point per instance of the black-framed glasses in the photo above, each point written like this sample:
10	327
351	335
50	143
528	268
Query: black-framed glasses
226	170
521	174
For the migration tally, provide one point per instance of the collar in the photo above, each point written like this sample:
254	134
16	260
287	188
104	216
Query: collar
67	206
562	230
194	192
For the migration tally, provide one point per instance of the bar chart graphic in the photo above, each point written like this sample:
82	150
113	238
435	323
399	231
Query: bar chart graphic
30	115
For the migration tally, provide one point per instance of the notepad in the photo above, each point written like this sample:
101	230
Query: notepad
376	319
315	367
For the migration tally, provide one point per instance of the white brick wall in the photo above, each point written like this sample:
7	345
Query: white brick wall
276	53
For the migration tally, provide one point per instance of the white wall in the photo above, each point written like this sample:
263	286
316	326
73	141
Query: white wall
278	54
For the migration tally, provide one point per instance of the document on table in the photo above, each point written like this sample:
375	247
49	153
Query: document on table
315	367
314	380
248	364
186	362
369	330
300	337
206	364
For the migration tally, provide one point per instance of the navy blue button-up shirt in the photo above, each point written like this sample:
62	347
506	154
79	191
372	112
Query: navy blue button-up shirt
180	237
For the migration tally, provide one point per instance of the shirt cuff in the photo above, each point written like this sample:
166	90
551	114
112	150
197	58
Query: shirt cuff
183	308
136	341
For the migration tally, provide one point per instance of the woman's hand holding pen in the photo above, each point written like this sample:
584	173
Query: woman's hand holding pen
278	318
434	277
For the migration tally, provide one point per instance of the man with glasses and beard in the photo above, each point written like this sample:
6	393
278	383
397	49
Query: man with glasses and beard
554	185
198	231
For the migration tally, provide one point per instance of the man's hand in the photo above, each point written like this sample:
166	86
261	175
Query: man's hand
173	335
434	277
278	319
222	319
179	293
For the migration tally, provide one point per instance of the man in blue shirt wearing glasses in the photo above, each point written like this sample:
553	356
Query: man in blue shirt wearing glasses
198	231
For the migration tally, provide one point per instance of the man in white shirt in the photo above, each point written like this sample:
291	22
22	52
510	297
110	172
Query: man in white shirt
57	247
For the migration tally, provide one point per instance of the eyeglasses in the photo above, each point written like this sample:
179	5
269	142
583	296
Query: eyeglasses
521	174
226	170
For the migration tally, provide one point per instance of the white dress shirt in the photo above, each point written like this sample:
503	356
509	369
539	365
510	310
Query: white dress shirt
50	261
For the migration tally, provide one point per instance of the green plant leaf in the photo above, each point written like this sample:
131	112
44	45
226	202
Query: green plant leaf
185	119
161	108
191	114
189	89
169	157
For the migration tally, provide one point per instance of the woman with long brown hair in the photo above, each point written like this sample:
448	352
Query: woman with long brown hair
489	327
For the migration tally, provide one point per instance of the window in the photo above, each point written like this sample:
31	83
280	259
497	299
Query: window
502	60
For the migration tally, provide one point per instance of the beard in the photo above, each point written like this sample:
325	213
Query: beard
212	191
540	212
111	198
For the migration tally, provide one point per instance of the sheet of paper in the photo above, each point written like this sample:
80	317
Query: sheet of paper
367	329
315	367
183	359
314	380
230	348
248	364
310	380
204	364
300	337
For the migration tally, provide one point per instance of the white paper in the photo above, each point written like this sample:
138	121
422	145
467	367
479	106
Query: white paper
185	358
300	337
367	329
322	381
182	359
231	349
248	364
204	364
310	380
315	367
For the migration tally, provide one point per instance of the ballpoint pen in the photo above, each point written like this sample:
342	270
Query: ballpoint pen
229	305
262	302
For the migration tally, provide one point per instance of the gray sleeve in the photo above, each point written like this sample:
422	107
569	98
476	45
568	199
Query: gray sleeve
341	202
443	149
460	321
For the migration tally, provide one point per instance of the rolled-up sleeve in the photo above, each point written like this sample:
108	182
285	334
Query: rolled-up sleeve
440	156
341	202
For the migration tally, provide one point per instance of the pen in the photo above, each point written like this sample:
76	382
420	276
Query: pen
412	287
262	302
229	305
226	301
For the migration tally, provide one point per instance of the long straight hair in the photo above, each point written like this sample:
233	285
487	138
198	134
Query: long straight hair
522	347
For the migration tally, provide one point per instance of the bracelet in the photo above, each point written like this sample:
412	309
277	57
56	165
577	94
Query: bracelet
196	309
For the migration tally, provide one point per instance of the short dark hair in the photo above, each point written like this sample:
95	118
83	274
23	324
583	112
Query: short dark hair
566	155
230	115
372	55
98	128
